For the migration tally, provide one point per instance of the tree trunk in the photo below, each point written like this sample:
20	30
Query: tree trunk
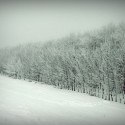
111	97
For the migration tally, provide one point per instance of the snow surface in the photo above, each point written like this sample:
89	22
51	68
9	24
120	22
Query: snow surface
30	103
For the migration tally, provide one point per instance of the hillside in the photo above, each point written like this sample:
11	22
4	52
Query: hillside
30	103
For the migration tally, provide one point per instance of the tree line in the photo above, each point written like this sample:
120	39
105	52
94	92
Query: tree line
92	63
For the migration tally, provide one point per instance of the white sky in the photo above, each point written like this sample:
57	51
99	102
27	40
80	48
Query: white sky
22	22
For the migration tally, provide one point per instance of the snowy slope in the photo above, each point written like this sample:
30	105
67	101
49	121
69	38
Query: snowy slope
27	103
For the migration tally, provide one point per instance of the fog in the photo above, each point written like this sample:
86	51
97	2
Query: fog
28	21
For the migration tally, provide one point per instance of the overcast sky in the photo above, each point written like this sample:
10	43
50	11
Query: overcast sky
22	22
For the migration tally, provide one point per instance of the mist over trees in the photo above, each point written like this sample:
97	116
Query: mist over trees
92	63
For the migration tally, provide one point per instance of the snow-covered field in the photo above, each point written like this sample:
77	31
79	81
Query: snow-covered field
29	103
